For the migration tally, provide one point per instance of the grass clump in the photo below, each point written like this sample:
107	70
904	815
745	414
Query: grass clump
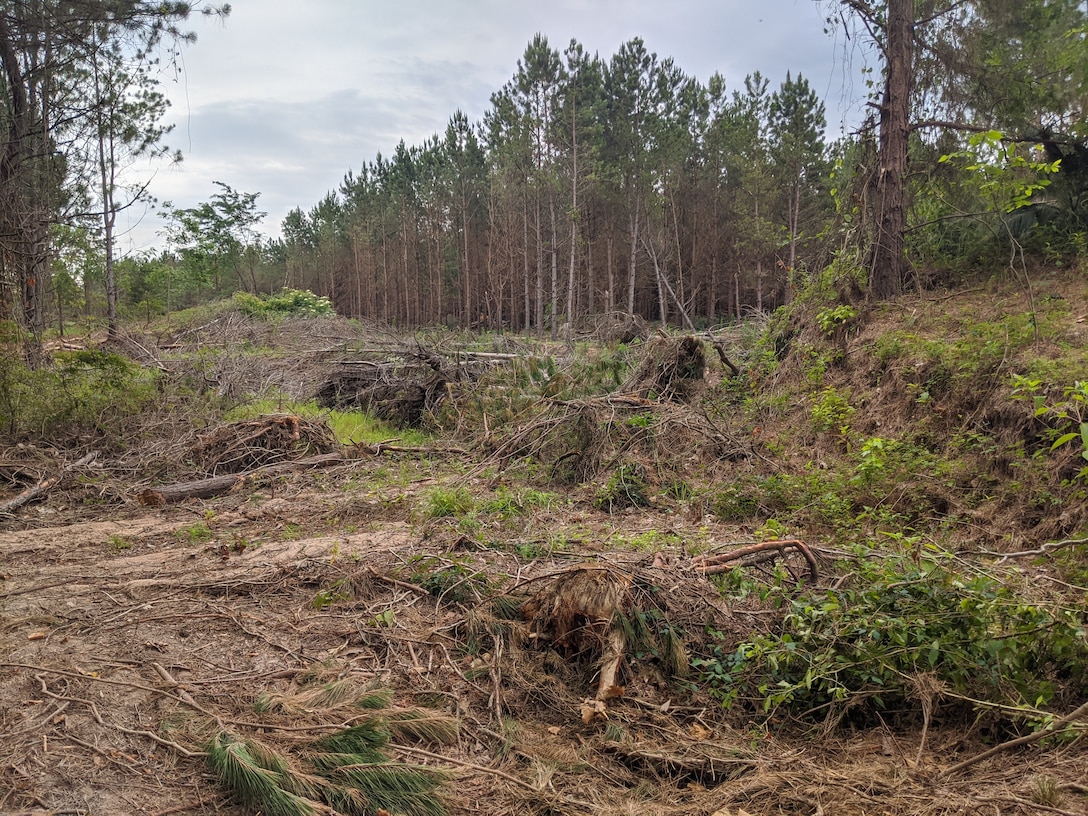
626	487
448	502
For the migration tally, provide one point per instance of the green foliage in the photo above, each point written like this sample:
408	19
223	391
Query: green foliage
831	412
85	392
832	318
448	502
626	487
897	618
1067	418
288	303
455	580
1008	178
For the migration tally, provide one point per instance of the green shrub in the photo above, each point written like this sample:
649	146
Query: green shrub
84	392
899	618
292	302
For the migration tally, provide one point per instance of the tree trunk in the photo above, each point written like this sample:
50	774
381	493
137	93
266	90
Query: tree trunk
888	269
631	260
539	270
555	268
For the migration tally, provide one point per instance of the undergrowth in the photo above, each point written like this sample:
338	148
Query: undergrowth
865	642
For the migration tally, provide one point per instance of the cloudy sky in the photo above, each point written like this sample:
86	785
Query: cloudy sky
284	97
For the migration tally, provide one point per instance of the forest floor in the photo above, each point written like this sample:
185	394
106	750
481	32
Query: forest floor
130	635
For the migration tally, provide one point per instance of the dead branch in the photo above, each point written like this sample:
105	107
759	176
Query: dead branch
1050	546
755	554
718	347
41	487
1027	739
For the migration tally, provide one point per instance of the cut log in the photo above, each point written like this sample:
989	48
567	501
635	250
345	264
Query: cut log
218	485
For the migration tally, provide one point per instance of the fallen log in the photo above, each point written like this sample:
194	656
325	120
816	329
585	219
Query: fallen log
755	554
218	485
41	487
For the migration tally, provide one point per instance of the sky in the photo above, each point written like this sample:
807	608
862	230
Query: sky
284	97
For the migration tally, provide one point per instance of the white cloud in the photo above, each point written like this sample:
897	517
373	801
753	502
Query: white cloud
284	98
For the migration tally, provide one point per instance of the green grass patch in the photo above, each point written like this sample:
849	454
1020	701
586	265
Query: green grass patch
349	427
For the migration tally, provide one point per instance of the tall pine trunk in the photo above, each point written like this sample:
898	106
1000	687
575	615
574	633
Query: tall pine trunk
888	267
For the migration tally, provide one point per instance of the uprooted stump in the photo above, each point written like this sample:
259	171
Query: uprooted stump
671	370
242	446
578	615
598	614
398	394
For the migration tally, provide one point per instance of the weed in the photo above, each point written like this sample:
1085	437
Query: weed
678	489
118	543
338	591
445	502
1067	418
831	412
456	580
197	533
736	503
627	487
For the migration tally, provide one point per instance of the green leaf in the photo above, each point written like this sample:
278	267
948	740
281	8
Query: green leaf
1063	439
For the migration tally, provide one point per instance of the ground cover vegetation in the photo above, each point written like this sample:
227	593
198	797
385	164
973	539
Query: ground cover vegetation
594	459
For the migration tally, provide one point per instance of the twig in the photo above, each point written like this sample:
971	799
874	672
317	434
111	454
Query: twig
471	765
1050	546
1025	740
385	579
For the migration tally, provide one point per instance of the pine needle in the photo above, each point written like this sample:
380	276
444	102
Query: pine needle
425	726
326	697
398	788
376	699
241	768
364	738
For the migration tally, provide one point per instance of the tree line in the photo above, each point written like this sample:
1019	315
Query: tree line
591	184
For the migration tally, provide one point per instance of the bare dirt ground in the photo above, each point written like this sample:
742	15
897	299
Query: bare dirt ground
126	641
